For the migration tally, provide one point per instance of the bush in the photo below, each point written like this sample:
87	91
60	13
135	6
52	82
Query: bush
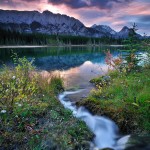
24	97
18	85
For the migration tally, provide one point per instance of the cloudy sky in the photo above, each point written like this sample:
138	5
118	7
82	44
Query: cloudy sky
115	13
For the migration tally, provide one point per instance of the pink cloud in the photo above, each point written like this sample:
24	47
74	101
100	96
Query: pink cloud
116	16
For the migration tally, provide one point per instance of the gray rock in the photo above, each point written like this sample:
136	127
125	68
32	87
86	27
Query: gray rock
138	143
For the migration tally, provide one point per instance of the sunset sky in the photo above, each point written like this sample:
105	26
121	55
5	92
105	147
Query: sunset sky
115	13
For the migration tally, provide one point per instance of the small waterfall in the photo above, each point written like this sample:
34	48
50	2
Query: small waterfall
105	130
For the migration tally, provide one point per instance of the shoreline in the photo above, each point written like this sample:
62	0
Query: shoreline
44	46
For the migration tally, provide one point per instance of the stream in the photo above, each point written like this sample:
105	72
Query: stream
105	130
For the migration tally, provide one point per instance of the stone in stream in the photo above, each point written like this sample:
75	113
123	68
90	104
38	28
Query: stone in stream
138	143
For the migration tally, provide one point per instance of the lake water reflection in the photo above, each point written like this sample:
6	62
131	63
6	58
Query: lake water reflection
77	65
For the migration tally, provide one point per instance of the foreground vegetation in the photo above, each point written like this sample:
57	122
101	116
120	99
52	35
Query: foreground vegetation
31	117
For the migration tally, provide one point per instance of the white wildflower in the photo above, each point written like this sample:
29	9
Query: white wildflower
14	77
3	111
19	105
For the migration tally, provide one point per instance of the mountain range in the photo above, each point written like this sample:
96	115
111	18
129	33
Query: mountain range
49	23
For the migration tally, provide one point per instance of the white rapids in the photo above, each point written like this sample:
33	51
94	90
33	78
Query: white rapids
104	129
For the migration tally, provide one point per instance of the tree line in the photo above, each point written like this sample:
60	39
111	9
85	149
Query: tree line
8	37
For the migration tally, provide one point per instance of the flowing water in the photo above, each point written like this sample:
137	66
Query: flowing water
106	131
77	65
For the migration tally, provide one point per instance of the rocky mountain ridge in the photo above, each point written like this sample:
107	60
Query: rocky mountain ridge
49	23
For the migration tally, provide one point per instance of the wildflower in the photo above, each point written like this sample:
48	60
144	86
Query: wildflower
14	77
108	58
19	105
3	111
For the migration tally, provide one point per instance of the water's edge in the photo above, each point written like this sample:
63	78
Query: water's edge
42	46
105	130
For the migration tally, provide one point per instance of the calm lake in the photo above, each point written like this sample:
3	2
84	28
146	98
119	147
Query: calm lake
77	65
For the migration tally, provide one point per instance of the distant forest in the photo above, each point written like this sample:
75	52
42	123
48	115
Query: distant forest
8	37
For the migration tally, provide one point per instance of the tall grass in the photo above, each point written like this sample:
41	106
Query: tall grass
125	99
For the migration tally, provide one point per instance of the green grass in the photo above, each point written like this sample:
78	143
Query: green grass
31	116
125	99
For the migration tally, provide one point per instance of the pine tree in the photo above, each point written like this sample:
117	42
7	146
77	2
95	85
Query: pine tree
132	45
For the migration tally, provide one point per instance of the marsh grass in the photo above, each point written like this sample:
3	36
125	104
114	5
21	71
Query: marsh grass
125	99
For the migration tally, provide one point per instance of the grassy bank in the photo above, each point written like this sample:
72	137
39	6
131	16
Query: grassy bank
31	117
125	98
